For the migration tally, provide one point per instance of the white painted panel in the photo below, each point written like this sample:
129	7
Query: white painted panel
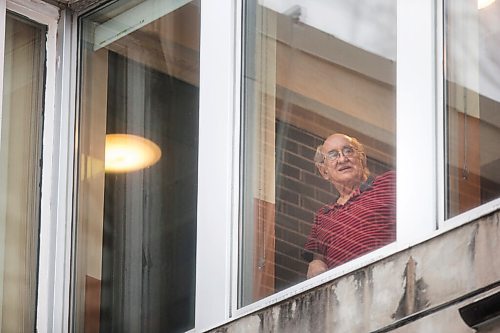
215	163
416	120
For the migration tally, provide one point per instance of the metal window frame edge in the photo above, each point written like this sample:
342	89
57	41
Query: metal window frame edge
67	74
236	215
57	175
215	166
3	12
440	112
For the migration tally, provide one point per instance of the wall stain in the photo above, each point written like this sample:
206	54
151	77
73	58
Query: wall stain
414	298
472	244
359	278
261	321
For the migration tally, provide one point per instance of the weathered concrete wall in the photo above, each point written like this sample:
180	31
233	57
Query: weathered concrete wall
416	290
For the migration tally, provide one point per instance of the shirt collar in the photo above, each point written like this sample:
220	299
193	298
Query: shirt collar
364	186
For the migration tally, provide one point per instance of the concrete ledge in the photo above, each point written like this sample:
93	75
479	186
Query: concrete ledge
416	290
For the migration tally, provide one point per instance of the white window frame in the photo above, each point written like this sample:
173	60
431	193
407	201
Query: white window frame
217	160
57	147
218	215
419	115
218	178
444	224
57	241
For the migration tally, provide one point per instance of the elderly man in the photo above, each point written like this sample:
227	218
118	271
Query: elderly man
364	216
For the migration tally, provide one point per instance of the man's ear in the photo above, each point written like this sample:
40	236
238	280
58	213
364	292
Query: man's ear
363	160
322	170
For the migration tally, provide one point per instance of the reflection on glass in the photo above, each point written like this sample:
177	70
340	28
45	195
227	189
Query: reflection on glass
472	105
310	70
484	3
127	153
20	172
136	224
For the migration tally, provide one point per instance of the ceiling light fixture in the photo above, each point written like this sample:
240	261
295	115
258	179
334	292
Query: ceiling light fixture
484	3
127	152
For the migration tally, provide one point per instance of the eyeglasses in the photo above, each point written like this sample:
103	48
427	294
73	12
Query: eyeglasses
347	151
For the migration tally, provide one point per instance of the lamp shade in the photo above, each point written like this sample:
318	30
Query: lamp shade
127	152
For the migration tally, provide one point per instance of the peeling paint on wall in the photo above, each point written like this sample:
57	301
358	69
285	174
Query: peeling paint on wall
414	297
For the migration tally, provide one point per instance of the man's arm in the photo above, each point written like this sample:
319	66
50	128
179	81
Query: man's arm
316	266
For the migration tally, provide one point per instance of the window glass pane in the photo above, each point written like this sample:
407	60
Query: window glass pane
472	104
138	148
310	71
20	172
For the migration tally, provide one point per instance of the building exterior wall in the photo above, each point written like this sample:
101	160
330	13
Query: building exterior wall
419	289
416	290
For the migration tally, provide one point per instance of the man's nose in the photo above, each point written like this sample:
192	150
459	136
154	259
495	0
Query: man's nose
342	157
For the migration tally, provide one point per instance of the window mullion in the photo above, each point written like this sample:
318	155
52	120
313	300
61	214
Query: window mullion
416	120
215	163
2	51
440	106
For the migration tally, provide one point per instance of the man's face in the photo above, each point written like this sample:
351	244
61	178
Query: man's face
338	168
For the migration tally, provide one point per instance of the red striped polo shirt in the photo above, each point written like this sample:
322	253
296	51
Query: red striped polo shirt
364	223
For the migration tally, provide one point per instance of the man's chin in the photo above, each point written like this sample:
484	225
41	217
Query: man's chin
348	178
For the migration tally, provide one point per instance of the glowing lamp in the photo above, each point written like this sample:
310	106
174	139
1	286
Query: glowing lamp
484	3
127	152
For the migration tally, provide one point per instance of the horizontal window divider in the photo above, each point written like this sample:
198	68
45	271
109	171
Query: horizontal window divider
469	216
319	280
41	12
132	20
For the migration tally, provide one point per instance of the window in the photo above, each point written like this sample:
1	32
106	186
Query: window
137	182
310	70
472	104
20	171
235	192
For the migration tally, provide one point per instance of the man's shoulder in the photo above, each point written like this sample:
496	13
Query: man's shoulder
323	210
388	176
385	182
